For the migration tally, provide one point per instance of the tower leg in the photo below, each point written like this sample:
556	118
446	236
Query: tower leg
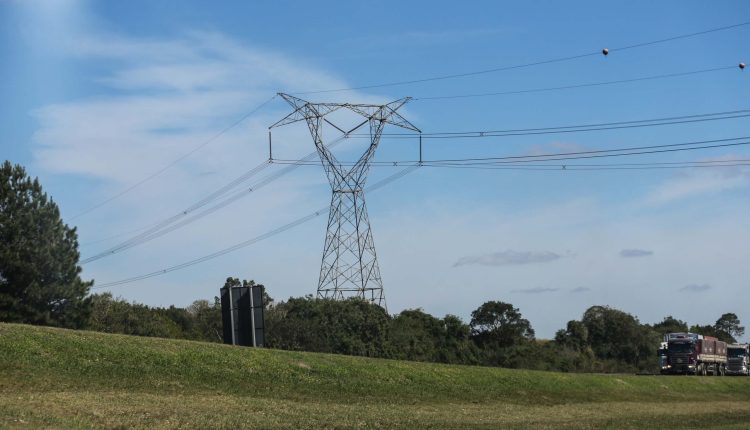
349	267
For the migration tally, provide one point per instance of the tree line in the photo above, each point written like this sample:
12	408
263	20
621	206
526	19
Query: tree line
603	340
40	283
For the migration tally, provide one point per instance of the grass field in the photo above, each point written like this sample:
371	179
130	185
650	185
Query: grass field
57	378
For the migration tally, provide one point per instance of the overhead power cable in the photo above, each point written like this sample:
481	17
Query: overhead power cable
170	224
159	226
253	240
573	155
211	197
181	219
530	64
574	86
569	166
173	162
601	153
653	122
584	167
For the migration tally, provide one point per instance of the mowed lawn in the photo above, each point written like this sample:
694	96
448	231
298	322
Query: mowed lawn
53	378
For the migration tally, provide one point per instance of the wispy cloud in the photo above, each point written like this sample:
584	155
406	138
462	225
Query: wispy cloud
535	290
580	290
634	252
695	288
509	258
162	98
696	182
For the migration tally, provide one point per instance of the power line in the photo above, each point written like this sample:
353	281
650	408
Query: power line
644	164
601	153
213	196
525	65
585	85
653	122
157	227
172	163
170	224
566	167
404	172
573	155
114	236
149	231
253	240
683	36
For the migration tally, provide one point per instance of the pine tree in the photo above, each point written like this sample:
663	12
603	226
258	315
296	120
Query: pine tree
39	272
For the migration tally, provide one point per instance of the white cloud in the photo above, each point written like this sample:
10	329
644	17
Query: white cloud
700	181
509	258
164	98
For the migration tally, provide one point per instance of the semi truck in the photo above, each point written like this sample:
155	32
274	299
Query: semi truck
738	356
695	354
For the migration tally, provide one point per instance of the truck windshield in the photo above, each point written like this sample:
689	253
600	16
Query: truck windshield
681	347
735	352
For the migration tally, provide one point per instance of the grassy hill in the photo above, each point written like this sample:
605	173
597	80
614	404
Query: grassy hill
77	379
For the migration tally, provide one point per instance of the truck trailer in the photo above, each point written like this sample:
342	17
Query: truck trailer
695	354
737	359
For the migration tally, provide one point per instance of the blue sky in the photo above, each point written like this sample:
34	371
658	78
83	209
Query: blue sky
99	95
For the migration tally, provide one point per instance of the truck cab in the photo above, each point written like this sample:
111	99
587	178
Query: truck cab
738	356
695	354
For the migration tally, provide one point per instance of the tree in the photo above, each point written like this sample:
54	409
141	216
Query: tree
705	330
728	328
353	326
39	272
575	336
116	315
501	333
455	342
670	325
208	324
415	335
617	335
500	323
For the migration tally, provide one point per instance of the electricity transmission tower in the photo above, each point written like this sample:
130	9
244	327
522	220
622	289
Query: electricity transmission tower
349	266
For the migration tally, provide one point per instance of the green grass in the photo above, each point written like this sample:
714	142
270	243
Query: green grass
76	379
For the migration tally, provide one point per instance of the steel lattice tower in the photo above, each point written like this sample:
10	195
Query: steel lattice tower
350	265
